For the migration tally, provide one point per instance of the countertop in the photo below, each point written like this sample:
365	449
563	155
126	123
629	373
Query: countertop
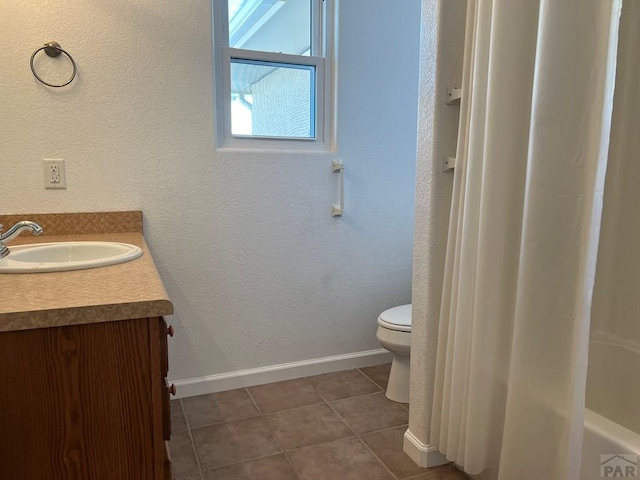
116	292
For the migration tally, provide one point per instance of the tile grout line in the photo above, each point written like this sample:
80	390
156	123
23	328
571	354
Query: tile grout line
238	462
193	443
371	380
384	389
253	400
358	396
293	408
214	424
360	370
355	396
379	430
324	442
363	442
224	423
261	416
358	436
283	451
406	407
381	386
323	400
419	476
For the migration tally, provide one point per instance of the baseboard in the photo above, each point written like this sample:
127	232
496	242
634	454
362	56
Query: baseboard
277	373
424	455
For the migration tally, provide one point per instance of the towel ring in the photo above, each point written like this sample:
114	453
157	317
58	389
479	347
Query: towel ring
53	49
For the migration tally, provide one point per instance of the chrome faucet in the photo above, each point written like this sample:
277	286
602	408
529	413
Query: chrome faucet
14	231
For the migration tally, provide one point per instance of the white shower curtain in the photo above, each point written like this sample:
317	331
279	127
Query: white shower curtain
523	236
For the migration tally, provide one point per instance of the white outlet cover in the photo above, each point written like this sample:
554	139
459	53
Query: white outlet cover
51	180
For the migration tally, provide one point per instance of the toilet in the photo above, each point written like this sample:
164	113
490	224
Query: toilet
394	334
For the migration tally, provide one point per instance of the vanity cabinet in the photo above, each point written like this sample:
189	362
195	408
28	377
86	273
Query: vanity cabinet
86	401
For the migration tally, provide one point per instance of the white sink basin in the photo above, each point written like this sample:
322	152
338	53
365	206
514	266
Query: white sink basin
63	256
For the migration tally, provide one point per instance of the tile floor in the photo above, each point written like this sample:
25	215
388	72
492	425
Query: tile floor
337	426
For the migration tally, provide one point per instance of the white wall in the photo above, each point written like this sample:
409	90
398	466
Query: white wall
259	272
441	46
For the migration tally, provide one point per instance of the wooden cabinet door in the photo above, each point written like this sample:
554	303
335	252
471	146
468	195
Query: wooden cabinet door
158	332
77	402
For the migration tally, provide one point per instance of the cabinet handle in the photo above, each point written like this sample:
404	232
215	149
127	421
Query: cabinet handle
172	389
170	330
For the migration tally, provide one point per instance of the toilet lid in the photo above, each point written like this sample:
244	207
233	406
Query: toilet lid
396	318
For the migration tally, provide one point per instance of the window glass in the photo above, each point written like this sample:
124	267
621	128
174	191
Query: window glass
273	73
270	25
272	99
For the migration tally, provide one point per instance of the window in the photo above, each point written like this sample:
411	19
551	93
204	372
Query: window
273	73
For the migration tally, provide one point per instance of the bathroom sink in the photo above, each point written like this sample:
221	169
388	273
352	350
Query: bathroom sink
63	256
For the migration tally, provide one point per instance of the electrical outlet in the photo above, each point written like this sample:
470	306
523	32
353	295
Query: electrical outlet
54	174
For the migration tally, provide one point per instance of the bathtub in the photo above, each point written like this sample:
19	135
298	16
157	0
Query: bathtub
612	418
613	392
601	437
604	437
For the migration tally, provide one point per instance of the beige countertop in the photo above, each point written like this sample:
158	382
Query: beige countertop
117	292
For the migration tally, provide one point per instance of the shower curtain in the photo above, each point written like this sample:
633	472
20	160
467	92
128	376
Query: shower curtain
535	122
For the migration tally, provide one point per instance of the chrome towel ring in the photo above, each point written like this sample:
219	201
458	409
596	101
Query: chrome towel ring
53	49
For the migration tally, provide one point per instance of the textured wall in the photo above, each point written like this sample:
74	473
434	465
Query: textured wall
442	45
259	272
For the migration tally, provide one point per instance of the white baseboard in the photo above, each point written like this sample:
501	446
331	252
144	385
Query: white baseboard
424	455
276	373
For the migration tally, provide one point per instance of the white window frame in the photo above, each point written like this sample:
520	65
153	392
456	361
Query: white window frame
321	58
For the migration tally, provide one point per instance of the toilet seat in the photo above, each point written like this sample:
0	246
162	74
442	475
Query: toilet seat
396	318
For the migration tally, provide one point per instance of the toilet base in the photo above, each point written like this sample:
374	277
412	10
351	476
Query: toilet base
398	386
